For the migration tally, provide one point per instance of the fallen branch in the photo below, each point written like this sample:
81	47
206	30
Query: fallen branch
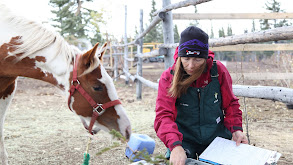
281	33
180	5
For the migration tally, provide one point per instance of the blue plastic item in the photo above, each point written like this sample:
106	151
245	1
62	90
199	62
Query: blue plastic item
138	142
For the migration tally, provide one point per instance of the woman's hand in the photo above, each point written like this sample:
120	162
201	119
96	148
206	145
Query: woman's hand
178	156
239	137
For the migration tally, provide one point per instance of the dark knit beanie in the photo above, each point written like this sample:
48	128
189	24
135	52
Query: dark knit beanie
193	43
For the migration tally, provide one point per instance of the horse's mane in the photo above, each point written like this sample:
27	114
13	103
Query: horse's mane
34	37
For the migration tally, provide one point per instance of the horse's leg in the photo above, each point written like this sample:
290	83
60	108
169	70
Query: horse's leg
7	90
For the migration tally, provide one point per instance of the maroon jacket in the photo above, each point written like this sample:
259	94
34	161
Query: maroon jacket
166	111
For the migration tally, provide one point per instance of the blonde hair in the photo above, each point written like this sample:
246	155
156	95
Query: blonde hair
181	80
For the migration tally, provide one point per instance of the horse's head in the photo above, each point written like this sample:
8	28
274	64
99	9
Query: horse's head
99	108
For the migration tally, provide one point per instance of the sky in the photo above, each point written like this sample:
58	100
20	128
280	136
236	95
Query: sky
39	10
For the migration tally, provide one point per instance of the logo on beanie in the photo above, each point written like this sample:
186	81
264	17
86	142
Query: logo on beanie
188	52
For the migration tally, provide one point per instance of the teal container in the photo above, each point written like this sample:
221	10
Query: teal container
138	142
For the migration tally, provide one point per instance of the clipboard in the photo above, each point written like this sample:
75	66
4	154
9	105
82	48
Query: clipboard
223	151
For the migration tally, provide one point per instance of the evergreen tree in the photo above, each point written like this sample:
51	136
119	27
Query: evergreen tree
156	34
253	26
221	32
264	24
229	31
62	14
212	35
135	32
176	34
75	21
274	7
94	28
227	55
72	22
221	55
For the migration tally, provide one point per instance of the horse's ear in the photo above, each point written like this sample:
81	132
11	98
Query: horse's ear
103	51
90	55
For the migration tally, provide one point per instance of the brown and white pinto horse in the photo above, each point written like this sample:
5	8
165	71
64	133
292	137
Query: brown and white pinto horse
27	49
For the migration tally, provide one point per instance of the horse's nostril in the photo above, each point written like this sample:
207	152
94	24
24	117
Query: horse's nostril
128	133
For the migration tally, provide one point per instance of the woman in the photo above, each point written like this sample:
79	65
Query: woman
195	102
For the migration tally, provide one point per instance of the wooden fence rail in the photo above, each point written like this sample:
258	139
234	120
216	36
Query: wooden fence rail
284	95
281	94
239	47
268	76
277	34
200	16
253	47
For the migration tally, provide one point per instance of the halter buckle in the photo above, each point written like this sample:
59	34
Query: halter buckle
95	109
73	81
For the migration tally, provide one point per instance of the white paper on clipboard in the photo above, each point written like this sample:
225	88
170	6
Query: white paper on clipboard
223	151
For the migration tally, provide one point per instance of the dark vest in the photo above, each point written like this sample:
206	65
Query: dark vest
200	116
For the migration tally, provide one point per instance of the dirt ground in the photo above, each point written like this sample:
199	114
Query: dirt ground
40	129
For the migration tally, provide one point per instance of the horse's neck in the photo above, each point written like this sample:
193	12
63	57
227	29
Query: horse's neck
42	65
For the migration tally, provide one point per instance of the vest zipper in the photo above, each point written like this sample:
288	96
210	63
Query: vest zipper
198	91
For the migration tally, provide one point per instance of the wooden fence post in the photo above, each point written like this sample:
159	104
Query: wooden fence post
125	68
131	54
115	64
168	33
111	56
139	62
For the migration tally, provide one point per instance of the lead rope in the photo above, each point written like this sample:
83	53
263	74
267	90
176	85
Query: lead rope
86	156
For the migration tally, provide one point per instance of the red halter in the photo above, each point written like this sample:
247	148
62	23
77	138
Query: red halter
98	109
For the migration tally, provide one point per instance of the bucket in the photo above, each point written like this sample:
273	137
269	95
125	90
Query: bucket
139	142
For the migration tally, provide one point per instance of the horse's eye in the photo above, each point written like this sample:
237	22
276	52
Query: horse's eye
88	65
97	88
